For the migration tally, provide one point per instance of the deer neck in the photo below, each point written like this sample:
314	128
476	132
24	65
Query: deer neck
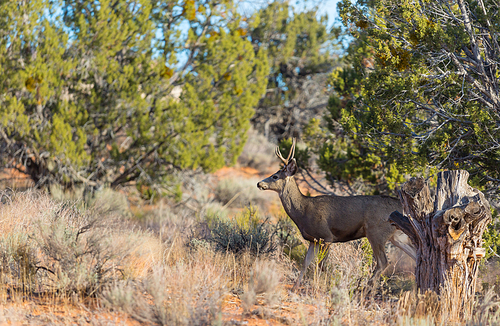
293	201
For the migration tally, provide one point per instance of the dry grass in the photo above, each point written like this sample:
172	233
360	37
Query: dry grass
98	264
264	279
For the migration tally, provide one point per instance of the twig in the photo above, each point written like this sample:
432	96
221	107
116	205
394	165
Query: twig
231	200
317	182
45	269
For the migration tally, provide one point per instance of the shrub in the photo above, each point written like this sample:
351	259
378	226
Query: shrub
491	237
18	251
290	239
81	249
187	293
246	232
121	296
182	294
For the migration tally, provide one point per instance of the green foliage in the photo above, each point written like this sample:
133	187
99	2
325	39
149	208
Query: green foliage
491	237
245	233
97	92
147	192
367	255
343	155
178	193
409	98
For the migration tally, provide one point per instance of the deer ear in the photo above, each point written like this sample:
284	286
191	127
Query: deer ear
291	168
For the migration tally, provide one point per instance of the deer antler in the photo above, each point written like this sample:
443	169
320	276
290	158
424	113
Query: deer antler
292	151
290	154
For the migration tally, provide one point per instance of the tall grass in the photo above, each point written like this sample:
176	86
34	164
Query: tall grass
161	268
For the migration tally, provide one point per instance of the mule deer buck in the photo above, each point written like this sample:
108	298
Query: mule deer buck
332	219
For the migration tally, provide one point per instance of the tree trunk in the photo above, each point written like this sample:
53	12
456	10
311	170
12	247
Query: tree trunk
447	231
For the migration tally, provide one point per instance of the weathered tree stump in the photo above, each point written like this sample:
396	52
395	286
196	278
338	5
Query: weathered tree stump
447	231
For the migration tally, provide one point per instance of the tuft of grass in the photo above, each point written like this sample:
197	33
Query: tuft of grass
121	295
19	212
18	262
186	293
487	310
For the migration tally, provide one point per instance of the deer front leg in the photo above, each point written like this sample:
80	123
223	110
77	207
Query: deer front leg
326	250
311	254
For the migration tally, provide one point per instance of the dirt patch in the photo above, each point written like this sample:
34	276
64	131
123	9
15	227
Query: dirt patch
238	172
286	313
15	179
47	311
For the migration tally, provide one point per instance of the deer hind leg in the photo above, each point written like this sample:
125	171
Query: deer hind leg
378	247
311	254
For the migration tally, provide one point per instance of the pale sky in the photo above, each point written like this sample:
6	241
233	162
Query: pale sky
330	7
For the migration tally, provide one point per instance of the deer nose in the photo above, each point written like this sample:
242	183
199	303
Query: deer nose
261	186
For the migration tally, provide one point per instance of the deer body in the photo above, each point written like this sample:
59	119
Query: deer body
333	219
324	217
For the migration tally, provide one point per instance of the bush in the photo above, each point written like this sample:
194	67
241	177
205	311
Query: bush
491	237
121	296
18	261
18	251
244	233
290	239
81	249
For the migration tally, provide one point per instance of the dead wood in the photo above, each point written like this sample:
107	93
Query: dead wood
447	232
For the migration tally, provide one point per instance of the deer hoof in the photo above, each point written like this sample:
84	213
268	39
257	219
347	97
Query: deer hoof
295	287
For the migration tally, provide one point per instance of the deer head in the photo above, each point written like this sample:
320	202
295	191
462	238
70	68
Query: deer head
277	181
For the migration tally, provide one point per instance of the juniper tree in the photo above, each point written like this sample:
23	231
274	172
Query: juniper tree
419	90
349	160
108	92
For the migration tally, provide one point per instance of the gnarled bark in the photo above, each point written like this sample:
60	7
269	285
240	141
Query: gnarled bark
447	232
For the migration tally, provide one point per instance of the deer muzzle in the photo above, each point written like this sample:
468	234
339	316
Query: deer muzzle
262	186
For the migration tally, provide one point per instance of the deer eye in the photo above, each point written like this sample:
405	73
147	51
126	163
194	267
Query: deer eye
275	177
